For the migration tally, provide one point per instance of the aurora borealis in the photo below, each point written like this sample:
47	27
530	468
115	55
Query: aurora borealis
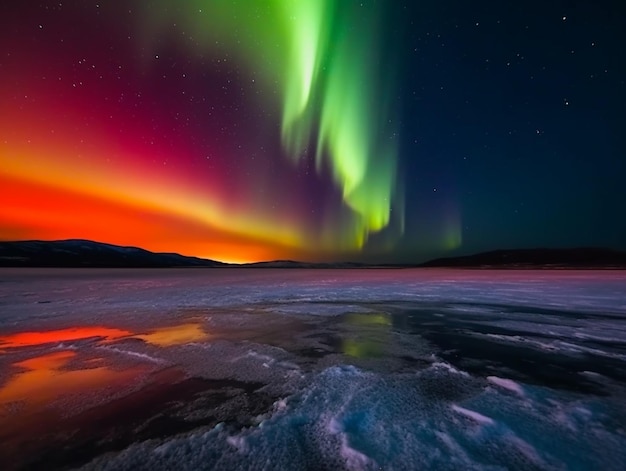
324	60
311	129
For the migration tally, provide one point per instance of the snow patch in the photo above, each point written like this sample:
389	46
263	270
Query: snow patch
475	416
450	368
143	356
507	384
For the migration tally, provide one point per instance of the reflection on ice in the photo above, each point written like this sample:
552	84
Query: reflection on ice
26	339
49	377
175	335
79	370
161	336
370	334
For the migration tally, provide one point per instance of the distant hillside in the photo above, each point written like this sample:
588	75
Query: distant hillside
583	257
85	253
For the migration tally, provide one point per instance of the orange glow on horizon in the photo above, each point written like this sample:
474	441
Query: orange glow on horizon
56	185
32	210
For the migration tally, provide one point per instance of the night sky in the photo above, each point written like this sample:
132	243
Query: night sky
379	131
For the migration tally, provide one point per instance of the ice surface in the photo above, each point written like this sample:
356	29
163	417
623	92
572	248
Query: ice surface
313	369
352	419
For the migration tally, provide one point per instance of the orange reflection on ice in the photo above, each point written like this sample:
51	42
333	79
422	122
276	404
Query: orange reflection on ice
175	335
46	379
163	337
25	339
50	361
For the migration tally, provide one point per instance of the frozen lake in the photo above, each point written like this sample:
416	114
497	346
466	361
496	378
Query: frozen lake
237	368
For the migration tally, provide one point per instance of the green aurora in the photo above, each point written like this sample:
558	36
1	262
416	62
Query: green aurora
335	82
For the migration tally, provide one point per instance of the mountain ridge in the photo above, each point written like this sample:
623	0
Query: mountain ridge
75	253
577	257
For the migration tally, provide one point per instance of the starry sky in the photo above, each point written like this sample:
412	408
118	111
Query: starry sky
320	130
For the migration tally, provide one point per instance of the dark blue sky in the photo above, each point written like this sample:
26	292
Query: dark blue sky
513	122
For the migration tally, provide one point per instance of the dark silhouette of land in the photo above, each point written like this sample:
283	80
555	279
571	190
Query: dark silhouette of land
581	257
85	253
88	254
